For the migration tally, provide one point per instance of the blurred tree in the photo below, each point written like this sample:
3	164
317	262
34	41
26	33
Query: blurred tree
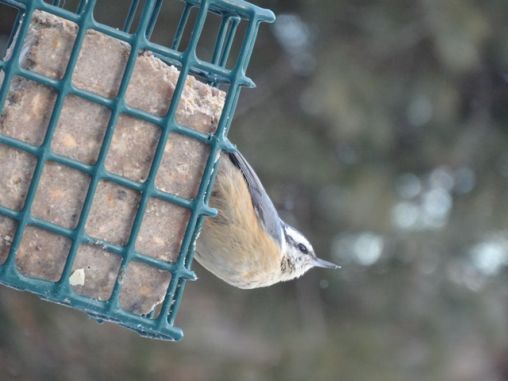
379	129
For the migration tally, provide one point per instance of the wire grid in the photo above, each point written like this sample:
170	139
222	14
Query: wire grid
232	12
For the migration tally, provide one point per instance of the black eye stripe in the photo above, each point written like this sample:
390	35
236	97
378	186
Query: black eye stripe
303	248
290	240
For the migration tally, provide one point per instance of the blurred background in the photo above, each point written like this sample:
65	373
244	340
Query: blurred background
380	130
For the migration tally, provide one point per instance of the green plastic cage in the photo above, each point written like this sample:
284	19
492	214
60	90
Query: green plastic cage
216	72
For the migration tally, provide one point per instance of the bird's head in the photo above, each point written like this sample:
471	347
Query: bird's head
298	255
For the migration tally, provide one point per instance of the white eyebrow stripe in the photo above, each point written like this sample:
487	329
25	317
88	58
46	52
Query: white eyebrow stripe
296	236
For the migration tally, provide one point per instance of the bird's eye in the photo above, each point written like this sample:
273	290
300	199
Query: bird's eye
303	248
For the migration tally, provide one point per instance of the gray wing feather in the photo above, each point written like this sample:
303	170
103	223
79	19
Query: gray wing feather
262	203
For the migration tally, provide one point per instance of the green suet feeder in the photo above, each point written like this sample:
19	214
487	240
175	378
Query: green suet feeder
37	219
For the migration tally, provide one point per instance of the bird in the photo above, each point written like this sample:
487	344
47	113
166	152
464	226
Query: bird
247	244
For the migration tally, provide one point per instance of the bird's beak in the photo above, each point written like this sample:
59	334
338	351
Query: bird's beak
318	262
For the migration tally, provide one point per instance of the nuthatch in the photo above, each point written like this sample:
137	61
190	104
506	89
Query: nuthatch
247	244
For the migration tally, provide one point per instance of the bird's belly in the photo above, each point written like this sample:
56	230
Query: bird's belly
234	245
242	264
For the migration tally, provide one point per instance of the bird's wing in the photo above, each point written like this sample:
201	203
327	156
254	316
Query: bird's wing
262	203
